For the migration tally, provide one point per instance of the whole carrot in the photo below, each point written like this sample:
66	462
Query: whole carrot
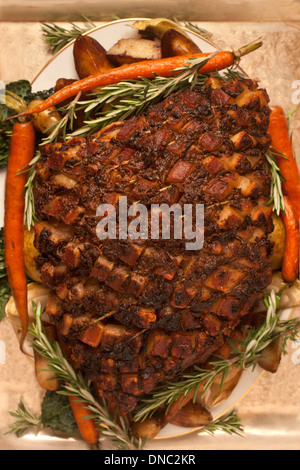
145	69
21	153
290	263
87	426
278	131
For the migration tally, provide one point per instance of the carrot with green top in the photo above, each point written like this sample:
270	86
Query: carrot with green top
22	147
283	151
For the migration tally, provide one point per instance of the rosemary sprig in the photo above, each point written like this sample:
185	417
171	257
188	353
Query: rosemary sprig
276	197
130	97
230	424
25	420
57	37
30	216
245	357
194	28
75	384
61	127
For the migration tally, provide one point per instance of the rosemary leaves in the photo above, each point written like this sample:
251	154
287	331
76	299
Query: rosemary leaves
57	37
30	217
276	197
132	97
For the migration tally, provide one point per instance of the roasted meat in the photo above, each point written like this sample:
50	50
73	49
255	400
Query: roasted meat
134	313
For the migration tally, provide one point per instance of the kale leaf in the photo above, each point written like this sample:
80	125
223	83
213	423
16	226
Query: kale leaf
5	291
21	88
57	413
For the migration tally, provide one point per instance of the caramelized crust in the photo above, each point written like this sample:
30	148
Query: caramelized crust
133	313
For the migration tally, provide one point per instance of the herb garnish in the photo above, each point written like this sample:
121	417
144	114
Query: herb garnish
30	217
57	37
230	424
276	197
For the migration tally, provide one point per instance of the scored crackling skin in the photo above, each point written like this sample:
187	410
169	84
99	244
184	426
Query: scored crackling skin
133	313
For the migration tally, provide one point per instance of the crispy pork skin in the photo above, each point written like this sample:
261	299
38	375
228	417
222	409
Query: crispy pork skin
134	313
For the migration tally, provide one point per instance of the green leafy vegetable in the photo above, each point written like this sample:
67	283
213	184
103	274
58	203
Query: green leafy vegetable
57	413
39	95
14	93
4	150
5	131
21	88
4	286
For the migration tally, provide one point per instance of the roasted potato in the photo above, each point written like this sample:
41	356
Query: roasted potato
192	415
46	378
217	392
62	82
46	119
89	57
149	428
130	50
30	253
174	43
278	238
221	389
271	357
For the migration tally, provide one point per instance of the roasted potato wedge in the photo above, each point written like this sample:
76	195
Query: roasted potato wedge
174	43
30	253
149	428
130	50
46	119
221	389
89	57
45	377
271	357
192	415
278	238
62	82
217	392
